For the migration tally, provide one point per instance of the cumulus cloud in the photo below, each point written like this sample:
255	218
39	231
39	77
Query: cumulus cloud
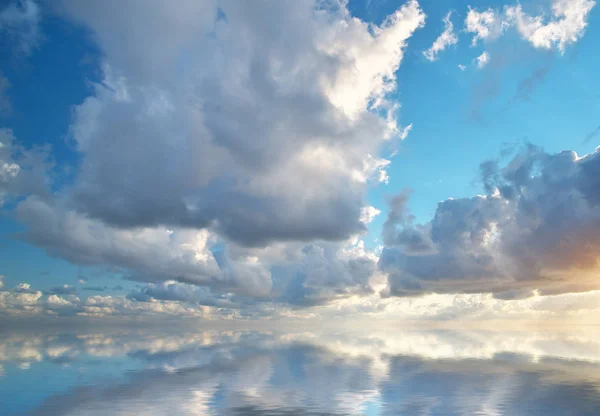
447	38
149	254
483	25
20	301
23	301
566	25
536	228
198	257
269	97
19	25
180	292
220	161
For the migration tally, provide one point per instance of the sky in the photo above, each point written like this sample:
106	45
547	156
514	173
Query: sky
309	159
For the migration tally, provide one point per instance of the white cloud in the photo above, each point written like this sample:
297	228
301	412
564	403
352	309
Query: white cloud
462	67
484	25
268	99
447	38
567	25
368	214
482	60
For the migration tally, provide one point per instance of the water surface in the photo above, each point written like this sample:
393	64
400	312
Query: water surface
211	372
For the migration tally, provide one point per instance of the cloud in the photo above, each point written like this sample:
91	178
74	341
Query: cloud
536	228
447	38
148	253
20	301
23	301
228	137
19	26
198	257
197	147
462	67
175	291
567	25
485	25
482	60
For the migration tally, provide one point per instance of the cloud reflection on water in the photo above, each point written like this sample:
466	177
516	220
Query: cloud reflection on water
405	371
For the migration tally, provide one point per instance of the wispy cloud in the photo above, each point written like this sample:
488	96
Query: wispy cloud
446	39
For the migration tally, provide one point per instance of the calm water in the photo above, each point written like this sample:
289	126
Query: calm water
211	372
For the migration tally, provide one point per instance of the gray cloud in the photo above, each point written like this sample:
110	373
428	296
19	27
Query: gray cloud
232	154
400	230
181	292
269	98
535	229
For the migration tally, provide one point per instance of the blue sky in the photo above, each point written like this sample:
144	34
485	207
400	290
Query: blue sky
269	186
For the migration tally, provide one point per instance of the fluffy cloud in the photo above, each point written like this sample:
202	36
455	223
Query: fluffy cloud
23	301
447	38
148	254
228	159
566	26
297	272
483	25
223	123
536	228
